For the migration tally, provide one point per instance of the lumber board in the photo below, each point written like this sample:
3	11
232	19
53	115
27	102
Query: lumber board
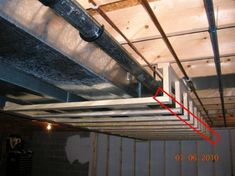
111	113
85	3
124	124
133	127
129	124
122	119
91	104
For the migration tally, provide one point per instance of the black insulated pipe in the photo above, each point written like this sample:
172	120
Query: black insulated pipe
215	46
90	30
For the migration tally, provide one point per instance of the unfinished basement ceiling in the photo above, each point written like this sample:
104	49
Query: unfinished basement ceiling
186	25
37	42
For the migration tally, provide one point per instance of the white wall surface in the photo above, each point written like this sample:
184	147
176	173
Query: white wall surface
117	156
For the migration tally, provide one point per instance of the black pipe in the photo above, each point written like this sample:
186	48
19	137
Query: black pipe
90	30
215	46
102	13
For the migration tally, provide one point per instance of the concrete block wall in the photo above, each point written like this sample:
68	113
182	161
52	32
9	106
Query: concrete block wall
60	153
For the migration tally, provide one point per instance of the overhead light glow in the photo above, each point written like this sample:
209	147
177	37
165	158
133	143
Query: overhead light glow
48	126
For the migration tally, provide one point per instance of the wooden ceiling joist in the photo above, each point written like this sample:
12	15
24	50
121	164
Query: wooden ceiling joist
120	4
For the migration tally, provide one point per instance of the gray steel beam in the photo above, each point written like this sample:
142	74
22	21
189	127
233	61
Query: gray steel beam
51	49
16	77
215	46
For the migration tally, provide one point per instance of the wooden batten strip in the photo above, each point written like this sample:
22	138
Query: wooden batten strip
91	104
111	113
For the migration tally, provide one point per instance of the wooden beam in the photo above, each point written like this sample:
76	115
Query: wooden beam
91	104
133	127
120	119
126	121
167	78
115	6
127	124
197	123
110	113
104	3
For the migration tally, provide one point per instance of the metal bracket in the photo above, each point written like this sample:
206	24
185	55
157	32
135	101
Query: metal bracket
188	83
95	36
